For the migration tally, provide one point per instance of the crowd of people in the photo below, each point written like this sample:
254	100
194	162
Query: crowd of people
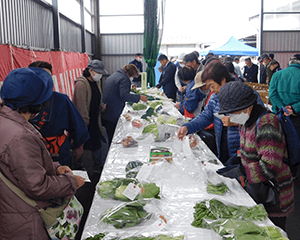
47	135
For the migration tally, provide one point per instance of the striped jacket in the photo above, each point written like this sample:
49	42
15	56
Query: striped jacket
261	155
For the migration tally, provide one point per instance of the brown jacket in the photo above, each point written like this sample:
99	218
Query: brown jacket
25	161
82	100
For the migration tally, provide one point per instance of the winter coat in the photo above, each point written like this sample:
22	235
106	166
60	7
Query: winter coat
25	161
115	93
139	66
207	117
261	155
284	89
251	73
168	80
82	100
54	120
192	99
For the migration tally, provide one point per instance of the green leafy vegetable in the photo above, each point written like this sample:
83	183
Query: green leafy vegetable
138	106
99	236
171	120
214	209
127	216
152	128
151	191
155	104
219	189
119	193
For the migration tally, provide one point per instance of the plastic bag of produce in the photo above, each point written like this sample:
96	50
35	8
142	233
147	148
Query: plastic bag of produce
116	187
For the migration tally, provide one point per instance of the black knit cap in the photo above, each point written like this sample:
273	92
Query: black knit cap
235	96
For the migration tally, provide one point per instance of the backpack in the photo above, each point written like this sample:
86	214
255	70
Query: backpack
291	136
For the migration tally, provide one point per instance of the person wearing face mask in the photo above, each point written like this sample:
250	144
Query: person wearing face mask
25	160
262	148
116	93
137	61
181	85
87	98
61	125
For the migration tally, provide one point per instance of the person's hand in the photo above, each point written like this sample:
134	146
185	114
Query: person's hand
182	132
63	169
158	86
182	89
80	181
144	98
232	171
226	122
78	152
290	110
103	107
177	105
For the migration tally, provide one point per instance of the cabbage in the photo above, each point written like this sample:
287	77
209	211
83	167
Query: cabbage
152	128
171	120
106	189
119	193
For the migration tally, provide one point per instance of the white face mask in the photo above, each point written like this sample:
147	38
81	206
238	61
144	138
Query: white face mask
241	118
97	77
264	64
139	59
131	78
181	64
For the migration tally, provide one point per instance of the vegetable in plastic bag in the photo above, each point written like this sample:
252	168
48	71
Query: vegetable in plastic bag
132	168
219	189
152	128
138	106
159	237
127	215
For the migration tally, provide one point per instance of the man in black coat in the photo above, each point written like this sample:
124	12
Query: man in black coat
168	75
250	71
139	65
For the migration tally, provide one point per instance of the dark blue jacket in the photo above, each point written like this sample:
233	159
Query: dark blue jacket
60	116
116	92
207	117
168	80
192	97
139	66
251	73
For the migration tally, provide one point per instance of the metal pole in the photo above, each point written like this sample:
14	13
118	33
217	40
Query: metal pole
56	31
261	27
97	53
82	26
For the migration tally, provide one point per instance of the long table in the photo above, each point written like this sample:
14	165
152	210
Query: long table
182	182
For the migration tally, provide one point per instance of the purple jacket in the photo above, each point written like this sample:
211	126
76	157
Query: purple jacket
25	161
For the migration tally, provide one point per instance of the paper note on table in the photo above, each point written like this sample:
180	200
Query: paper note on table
131	191
82	174
144	172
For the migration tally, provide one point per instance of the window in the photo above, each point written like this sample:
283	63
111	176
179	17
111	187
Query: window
72	12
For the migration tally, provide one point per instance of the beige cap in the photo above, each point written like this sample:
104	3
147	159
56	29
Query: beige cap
198	82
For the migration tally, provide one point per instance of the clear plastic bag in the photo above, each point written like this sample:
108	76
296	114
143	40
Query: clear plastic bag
115	188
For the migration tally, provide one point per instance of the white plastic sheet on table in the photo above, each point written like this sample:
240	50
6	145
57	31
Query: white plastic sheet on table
183	181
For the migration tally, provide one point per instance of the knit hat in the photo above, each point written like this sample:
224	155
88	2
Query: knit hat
235	96
198	82
26	86
97	66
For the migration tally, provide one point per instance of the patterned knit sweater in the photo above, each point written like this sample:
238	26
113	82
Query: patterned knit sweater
261	155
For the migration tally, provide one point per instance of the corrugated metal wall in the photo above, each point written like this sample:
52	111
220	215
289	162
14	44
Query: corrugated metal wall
283	44
29	23
70	35
25	23
118	50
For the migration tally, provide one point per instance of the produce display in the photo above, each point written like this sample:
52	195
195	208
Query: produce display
178	185
215	209
115	188
219	189
127	216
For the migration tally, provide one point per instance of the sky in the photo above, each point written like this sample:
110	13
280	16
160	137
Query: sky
209	20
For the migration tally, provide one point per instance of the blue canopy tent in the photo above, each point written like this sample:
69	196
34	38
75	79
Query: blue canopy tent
232	47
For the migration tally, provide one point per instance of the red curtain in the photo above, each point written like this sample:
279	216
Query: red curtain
67	66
